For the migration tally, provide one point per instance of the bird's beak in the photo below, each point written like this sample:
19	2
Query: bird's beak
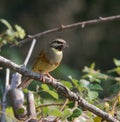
66	45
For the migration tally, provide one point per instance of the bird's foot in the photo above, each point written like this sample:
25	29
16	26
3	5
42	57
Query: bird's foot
52	78
42	77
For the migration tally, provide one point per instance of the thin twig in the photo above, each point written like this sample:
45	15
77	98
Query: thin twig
30	52
62	108
16	77
64	105
64	27
51	104
60	88
115	104
5	95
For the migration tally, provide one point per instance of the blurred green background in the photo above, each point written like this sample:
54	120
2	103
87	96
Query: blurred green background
97	43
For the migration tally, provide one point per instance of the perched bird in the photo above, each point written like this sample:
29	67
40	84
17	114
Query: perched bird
48	60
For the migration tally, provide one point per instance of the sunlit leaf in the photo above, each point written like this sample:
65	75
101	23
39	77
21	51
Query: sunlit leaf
56	112
53	94
10	33
20	32
85	83
9	110
74	81
6	23
116	62
45	87
106	106
67	84
66	113
97	119
117	69
25	90
45	110
92	66
10	115
92	94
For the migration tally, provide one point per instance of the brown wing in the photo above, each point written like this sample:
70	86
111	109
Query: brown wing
42	57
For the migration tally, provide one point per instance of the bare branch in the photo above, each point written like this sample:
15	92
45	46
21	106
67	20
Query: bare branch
65	27
60	88
15	80
5	95
31	107
17	98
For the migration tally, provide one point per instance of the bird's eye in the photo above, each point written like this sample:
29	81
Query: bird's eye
58	42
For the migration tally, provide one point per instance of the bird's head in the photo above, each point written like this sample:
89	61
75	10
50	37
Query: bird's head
58	44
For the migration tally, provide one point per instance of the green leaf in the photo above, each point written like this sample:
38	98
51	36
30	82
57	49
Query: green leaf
95	87
77	112
115	70
92	95
10	117
85	83
116	62
20	111
20	32
45	110
45	87
97	119
67	84
71	104
55	112
25	90
53	94
9	110
6	23
66	113
75	82
92	66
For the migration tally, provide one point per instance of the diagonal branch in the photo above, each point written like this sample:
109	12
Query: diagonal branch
60	88
65	27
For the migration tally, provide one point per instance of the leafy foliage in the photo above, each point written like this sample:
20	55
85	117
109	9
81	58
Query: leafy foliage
10	35
88	86
51	92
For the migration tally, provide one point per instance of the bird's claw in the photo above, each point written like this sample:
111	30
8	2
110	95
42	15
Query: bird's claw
42	78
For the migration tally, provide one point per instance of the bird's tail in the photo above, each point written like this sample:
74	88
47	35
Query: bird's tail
25	83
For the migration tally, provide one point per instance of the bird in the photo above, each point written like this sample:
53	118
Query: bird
47	60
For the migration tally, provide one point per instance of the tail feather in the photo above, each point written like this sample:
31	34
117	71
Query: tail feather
25	83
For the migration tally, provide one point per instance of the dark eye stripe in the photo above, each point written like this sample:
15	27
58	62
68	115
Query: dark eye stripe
57	42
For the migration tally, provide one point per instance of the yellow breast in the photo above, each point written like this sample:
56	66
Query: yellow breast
45	63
